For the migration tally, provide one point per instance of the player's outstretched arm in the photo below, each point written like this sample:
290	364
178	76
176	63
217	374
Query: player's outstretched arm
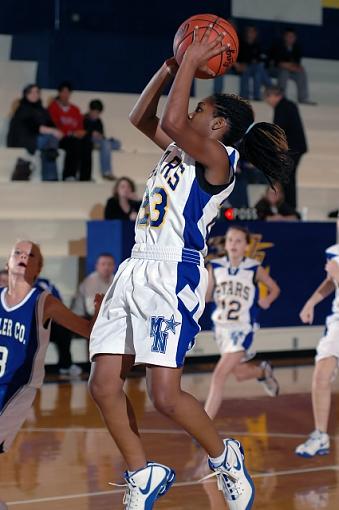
325	289
144	114
55	310
272	286
200	144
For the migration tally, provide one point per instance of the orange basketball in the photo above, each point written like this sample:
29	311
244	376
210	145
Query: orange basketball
219	64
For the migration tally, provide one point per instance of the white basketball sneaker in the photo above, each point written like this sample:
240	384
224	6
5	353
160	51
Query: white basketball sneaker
318	443
233	478
146	485
269	382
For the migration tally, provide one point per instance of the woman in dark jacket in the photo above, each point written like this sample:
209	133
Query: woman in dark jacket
122	205
272	206
32	128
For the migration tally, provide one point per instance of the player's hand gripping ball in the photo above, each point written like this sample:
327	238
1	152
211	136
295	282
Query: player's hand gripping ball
219	64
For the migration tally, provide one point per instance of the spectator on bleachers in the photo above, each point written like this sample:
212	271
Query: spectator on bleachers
251	65
272	206
286	57
31	127
220	81
97	282
68	118
95	130
3	278
123	205
287	116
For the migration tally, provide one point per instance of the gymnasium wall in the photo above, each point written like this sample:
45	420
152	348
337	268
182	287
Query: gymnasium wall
292	252
111	46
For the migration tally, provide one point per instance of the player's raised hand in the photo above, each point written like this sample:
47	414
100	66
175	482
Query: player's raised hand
307	313
172	66
201	50
264	303
97	302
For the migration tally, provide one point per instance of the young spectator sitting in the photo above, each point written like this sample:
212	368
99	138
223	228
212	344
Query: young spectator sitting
272	206
251	65
123	204
97	282
286	56
95	130
31	127
68	118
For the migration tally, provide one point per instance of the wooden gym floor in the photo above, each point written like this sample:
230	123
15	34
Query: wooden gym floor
63	457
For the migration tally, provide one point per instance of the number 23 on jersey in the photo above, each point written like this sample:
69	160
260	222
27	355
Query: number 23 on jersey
153	208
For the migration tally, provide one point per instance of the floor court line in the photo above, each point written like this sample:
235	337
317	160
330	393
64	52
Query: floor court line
287	472
169	431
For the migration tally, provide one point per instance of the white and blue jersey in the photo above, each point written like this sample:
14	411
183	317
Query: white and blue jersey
19	342
23	345
236	296
154	304
179	207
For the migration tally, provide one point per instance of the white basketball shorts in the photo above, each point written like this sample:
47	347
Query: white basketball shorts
232	338
329	344
153	306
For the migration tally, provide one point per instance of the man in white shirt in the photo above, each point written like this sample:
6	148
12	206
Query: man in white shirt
97	282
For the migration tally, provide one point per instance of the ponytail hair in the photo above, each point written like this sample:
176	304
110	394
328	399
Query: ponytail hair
265	146
262	144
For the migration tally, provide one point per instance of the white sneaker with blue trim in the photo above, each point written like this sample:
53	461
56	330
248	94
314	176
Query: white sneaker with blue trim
233	478
146	485
318	443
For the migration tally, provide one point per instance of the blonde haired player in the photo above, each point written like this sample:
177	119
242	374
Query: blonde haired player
26	313
327	358
233	285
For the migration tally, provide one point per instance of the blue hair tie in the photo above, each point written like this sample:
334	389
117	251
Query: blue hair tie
249	128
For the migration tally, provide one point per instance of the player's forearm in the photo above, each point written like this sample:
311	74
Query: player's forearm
176	110
59	313
78	325
273	293
325	289
145	109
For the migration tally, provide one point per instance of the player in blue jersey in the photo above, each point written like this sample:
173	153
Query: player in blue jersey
150	313
327	358
233	285
25	316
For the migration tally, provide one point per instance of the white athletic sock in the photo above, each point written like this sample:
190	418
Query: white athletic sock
131	473
217	461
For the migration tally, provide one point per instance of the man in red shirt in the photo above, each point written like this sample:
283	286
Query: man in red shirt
69	120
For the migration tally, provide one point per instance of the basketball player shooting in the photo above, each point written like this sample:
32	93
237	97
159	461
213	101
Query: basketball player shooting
150	314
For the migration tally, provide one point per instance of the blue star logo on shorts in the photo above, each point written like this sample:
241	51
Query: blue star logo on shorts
159	333
171	324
